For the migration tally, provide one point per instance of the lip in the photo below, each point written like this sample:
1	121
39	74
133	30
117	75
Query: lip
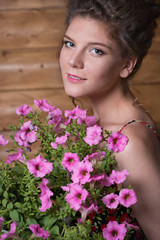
74	78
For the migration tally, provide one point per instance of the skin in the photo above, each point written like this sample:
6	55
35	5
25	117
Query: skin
91	54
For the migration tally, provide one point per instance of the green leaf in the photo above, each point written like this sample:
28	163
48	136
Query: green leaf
55	230
18	205
49	221
14	215
10	206
31	221
5	194
4	202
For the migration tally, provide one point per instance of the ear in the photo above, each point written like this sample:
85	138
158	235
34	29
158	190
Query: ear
128	67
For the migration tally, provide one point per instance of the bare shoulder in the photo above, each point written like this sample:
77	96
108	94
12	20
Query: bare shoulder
141	158
142	151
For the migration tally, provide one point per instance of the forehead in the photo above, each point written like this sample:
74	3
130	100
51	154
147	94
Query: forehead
90	29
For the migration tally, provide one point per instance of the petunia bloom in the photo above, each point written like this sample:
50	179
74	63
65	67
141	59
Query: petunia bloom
84	210
76	113
95	158
26	135
55	116
81	172
11	233
19	156
43	105
93	136
76	196
69	160
118	177
3	141
111	200
127	197
24	110
38	231
39	166
114	231
45	201
117	142
45	195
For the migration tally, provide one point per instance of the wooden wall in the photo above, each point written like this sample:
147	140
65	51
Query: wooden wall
30	36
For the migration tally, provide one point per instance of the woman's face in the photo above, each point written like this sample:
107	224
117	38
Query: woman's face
90	61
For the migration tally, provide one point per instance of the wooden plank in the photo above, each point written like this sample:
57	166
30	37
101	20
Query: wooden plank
31	28
150	69
11	100
34	69
19	4
149	97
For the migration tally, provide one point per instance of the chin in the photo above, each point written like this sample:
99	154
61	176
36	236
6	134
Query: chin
74	93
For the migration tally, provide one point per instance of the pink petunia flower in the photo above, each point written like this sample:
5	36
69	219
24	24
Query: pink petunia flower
11	233
55	116
28	132
45	200
54	145
88	120
117	142
76	113
23	110
118	177
81	172
19	140
61	140
69	160
26	135
19	156
39	166
38	231
45	195
127	197
43	105
3	141
114	231
44	188
84	210
93	136
76	196
102	179
111	200
68	187
95	158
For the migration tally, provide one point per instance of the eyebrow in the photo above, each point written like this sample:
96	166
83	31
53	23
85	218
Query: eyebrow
94	43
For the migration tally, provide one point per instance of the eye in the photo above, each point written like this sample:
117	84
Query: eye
68	44
97	51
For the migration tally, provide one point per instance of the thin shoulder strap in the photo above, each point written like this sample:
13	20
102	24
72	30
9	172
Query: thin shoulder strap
146	124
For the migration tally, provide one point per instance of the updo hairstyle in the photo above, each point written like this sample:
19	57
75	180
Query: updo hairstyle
131	23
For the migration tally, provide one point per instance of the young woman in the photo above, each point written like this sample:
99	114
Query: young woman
104	45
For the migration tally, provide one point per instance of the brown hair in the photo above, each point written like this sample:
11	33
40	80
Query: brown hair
131	22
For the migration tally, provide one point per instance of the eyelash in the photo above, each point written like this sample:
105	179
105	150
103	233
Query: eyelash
97	51
69	44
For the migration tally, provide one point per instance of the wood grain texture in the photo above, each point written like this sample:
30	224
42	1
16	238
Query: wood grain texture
29	4
29	69
149	96
150	69
10	101
31	28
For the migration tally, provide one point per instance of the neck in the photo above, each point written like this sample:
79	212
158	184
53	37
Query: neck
110	108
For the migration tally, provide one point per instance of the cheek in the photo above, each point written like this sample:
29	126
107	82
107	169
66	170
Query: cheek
62	59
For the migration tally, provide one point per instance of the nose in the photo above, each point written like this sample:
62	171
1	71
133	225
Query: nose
76	60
